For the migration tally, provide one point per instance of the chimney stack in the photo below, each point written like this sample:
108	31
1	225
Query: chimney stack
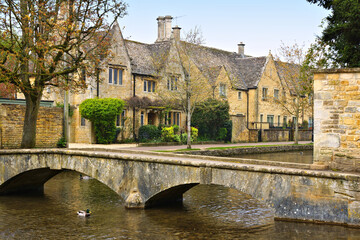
176	32
241	49
164	28
161	28
168	21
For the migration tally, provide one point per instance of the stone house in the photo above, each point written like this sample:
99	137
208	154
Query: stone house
140	73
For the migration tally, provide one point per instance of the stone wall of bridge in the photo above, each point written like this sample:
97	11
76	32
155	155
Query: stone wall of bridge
150	180
337	119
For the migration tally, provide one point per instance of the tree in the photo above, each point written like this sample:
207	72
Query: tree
102	112
342	31
297	83
210	116
48	41
183	85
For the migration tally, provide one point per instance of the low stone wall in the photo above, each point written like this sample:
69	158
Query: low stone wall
248	150
275	135
48	131
337	119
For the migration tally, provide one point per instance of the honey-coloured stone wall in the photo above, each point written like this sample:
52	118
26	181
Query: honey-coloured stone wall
48	131
337	119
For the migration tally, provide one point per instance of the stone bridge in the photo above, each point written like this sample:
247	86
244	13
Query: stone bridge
145	180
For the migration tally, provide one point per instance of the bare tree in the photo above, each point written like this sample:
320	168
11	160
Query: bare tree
46	41
184	84
296	81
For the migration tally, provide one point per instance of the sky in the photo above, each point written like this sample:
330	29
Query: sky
261	24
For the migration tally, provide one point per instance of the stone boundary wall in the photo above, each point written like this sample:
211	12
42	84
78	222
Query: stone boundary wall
337	119
48	131
248	150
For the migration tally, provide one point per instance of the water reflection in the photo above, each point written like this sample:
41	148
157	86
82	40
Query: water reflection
294	156
208	212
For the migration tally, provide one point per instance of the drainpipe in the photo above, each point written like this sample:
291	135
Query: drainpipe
97	82
247	109
134	95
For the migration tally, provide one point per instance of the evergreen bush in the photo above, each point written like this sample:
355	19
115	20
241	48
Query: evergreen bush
148	133
102	113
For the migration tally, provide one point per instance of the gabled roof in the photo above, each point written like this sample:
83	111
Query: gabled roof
288	74
142	56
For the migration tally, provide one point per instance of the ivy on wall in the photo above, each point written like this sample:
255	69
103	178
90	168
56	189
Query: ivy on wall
102	113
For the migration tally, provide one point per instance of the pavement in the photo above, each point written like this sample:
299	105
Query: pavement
136	147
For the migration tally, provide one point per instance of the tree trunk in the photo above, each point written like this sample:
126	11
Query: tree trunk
31	114
188	122
296	135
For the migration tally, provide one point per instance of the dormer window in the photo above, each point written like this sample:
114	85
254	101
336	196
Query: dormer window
116	76
172	83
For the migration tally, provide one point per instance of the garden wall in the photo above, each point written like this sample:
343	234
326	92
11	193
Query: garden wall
49	126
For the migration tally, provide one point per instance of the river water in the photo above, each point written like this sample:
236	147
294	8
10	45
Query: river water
292	156
208	212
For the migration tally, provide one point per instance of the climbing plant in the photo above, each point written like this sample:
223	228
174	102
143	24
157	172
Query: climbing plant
102	113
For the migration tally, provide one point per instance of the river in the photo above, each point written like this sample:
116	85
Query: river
208	212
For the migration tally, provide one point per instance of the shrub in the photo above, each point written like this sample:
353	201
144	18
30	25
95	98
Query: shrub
209	116
305	124
61	143
148	133
167	134
102	113
176	129
222	134
194	134
177	138
183	138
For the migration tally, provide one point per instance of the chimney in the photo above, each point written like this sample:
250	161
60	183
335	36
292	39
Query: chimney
161	28
176	33
168	20
241	49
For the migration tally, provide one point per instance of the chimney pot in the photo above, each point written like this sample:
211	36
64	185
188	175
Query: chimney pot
176	32
241	49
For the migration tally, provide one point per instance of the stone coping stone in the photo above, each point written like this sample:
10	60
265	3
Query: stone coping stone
249	150
189	160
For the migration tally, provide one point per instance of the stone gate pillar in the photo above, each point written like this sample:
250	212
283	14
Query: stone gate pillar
337	119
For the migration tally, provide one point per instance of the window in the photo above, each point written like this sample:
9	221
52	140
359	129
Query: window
115	76
169	118
285	121
142	119
83	74
178	119
239	95
82	121
120	119
261	117
123	118
270	120
172	83
279	120
149	86
310	125
222	90
264	94
276	94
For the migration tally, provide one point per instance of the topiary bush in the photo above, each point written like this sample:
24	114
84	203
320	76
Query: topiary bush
148	133
102	113
222	134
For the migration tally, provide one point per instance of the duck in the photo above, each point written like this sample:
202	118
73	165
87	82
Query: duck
85	177
84	213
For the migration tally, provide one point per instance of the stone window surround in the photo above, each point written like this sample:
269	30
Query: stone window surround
119	68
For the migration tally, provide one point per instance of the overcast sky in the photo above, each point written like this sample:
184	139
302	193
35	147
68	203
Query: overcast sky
260	24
